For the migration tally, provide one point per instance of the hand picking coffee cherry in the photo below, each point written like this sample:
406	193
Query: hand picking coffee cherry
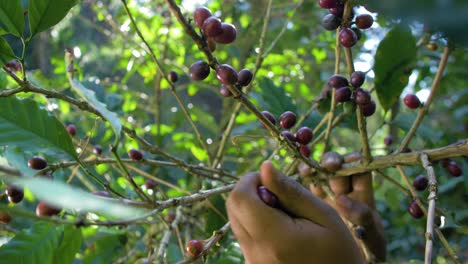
420	183
287	120
267	197
414	210
194	248
135	154
37	163
412	101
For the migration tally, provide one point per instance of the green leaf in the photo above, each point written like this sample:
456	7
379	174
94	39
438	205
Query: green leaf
33	246
12	17
65	196
214	220
395	55
90	97
274	98
44	14
6	53
24	124
69	246
104	249
425	131
18	158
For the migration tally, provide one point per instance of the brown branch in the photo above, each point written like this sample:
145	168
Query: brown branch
430	209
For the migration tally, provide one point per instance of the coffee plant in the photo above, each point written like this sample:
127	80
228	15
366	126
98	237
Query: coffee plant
125	124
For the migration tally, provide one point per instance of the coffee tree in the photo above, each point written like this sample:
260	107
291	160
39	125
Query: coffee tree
124	125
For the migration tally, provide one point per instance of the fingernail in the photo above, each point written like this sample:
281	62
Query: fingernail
344	201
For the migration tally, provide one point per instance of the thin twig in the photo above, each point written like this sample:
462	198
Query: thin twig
167	235
430	209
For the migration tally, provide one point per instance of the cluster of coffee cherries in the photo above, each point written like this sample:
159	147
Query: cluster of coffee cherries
287	120
213	28
352	91
347	36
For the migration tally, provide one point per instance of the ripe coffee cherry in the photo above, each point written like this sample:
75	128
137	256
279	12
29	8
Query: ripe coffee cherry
224	91
331	161
412	101
331	22
71	129
13	65
343	94
199	70
269	116
229	34
357	78
97	150
305	151
244	77
347	37
43	209
454	169
172	76
360	232
287	120
364	21
226	74
212	27
420	183
445	162
338	81
432	46
149	184
200	15
37	163
362	96
388	140
326	4
5	218
15	194
368	109
170	216
304	135
288	135
102	194
211	44
194	248
135	154
267	197
414	210
337	11
352	157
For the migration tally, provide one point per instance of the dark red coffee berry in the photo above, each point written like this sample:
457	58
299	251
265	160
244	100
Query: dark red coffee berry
304	135
224	91
199	70
347	37
414	210
244	77
212	27
388	140
44	209
194	248
412	101
14	193
343	94
305	151
357	78
150	185
326	4
226	74
97	150
287	120
269	116
135	154
362	96
102	194
352	157
364	21
170	216
331	22
5	218
229	34
338	81
13	65
368	109
71	129
445	162
267	197
200	15
337	11
288	135
331	161
420	183
360	232
172	76
454	169
37	163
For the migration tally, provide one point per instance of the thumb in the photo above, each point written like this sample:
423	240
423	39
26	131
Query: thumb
356	212
294	198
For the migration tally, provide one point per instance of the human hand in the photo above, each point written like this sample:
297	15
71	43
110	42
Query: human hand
303	229
355	203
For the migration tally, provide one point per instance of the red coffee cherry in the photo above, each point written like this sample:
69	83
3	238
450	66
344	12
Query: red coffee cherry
331	161
44	209
287	120
343	94
150	185
194	248
244	77
289	136
412	101
331	22
347	37
5	218
454	169
368	109
172	76
326	4
304	135
212	27
357	78
388	140
364	21
14	193
37	163
269	116
226	74
445	162
200	15
224	91
338	81
199	70
337	11
135	154
170	216
362	96
420	183
71	129
414	210
228	35
305	151
267	197
352	157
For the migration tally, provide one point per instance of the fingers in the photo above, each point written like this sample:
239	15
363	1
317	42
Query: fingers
294	198
356	212
341	185
362	189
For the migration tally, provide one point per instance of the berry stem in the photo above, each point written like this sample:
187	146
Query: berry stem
431	207
425	108
167	236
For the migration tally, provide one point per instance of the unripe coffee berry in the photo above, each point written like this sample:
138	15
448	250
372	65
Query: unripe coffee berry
199	70
37	163
228	35
287	120
267	197
331	161
420	183
304	135
194	248
414	210
135	154
226	74
412	101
